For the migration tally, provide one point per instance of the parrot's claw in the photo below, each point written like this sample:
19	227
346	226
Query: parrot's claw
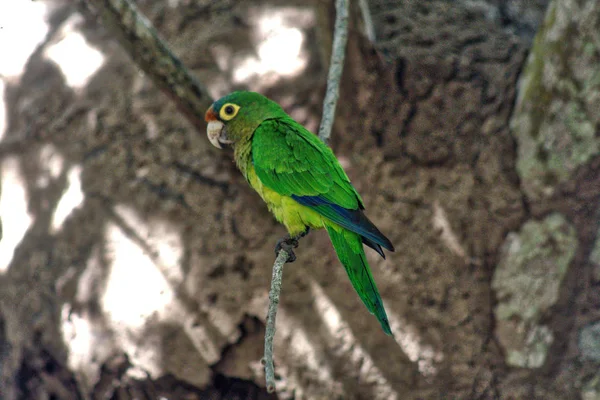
306	232
288	244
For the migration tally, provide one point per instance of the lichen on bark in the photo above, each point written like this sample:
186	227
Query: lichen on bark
557	106
527	279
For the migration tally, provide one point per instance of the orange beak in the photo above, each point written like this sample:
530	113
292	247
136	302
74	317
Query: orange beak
210	115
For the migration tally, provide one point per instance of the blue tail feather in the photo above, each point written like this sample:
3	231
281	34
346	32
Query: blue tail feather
374	246
353	220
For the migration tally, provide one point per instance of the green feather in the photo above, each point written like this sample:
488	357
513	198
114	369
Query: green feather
349	249
292	161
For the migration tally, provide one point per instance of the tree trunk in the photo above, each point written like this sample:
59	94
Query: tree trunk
472	139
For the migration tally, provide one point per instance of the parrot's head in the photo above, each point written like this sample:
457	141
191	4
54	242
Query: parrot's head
233	118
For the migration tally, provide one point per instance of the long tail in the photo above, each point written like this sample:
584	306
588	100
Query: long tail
349	248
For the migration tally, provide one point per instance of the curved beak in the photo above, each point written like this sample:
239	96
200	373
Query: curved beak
216	129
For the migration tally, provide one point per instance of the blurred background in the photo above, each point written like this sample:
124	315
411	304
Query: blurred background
135	261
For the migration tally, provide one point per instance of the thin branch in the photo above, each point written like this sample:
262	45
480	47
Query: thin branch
280	261
340	37
143	44
331	96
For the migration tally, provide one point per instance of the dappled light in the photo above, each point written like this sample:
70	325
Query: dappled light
77	70
77	333
89	342
302	350
23	27
70	199
52	165
279	38
202	341
131	264
152	301
409	341
342	340
13	209
442	224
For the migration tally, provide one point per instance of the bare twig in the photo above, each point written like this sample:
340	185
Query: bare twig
143	44
331	96
280	261
340	37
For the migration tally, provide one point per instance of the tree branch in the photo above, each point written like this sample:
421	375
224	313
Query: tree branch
331	96
143	44
280	261
340	37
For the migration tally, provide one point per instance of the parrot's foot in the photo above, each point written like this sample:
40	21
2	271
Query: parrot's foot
306	232
288	244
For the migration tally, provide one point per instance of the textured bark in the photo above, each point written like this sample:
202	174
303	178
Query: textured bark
426	130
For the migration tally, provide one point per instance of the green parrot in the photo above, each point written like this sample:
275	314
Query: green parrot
302	182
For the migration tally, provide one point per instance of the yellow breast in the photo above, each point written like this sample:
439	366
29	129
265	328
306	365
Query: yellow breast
286	210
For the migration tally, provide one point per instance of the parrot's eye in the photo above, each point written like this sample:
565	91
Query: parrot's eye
228	111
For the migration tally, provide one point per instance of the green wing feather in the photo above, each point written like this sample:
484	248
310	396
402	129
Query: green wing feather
292	161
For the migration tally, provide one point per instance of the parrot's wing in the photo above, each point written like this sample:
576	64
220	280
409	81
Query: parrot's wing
293	162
